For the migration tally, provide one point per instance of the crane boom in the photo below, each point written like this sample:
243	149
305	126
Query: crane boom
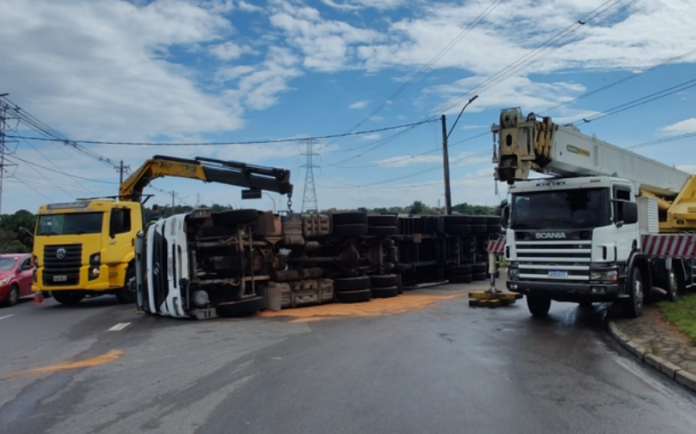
529	144
256	178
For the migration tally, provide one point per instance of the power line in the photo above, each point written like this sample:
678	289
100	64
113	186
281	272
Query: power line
251	142
61	172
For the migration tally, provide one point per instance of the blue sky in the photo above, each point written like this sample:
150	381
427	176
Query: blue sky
183	71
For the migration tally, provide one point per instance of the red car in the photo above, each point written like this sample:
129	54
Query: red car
16	276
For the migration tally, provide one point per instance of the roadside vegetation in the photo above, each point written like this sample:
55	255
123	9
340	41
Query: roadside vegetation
682	314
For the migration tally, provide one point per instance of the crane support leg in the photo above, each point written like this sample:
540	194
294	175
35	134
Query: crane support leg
492	297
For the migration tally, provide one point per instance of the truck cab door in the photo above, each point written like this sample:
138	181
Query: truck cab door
121	240
25	277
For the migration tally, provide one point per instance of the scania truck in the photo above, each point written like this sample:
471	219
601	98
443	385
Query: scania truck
602	223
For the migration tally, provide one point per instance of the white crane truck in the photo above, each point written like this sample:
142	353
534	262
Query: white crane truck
606	225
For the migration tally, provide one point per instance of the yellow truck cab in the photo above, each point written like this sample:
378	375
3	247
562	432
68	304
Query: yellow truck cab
86	248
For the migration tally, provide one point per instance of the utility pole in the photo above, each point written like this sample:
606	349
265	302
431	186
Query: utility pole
121	173
445	155
445	161
173	194
3	128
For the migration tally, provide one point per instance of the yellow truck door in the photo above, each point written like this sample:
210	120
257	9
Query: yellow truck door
124	222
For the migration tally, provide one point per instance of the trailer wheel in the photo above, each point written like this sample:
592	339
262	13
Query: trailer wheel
351	284
479	276
354	296
384	280
385	292
351	230
479	229
456	220
349	218
460	278
382	220
538	305
382	231
633	306
480	267
458	229
458	270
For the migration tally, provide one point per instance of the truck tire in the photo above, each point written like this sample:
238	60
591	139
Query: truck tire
383	280
383	220
235	217
349	218
351	284
479	267
392	291
354	296
382	231
128	294
68	297
673	284
479	220
633	305
479	276
351	230
538	305
454	220
242	307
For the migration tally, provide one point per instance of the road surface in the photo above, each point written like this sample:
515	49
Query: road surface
418	365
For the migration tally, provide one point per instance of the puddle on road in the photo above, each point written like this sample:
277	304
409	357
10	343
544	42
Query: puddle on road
375	307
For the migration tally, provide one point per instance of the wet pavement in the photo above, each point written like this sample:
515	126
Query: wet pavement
659	344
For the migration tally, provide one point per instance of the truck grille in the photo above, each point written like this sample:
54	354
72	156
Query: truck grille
554	260
62	264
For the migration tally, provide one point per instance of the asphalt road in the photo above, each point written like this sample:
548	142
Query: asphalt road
442	369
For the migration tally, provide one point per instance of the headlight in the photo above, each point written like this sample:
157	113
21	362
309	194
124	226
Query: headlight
611	275
4	281
513	272
95	259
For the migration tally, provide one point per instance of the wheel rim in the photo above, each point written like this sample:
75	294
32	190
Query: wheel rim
673	287
638	290
13	295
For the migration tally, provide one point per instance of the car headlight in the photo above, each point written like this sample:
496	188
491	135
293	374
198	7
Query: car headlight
611	275
4	281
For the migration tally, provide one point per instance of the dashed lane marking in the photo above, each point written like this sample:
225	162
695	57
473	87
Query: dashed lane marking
6	316
118	327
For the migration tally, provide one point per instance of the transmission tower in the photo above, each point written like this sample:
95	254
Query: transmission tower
4	126
309	197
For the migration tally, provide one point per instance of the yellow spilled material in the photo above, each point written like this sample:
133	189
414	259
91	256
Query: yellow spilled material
86	363
375	307
492	298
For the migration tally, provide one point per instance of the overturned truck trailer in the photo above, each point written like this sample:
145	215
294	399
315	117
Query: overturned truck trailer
204	264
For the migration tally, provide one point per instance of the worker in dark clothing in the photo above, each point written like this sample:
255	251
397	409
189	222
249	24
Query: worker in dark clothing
155	214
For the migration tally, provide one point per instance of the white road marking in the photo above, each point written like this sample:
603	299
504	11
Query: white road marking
6	316
119	326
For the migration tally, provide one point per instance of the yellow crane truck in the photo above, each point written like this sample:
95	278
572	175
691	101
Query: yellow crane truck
87	247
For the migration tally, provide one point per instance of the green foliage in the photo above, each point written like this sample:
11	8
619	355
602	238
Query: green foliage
465	208
682	314
15	232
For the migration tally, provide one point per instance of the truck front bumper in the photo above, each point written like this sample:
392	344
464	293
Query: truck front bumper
567	291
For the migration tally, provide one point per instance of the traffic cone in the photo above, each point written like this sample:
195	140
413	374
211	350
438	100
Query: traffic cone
38	297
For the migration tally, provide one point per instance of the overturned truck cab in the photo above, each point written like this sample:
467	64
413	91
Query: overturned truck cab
205	264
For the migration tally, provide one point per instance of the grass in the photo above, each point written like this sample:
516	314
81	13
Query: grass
682	314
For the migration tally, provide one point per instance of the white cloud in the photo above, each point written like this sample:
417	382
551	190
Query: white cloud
246	7
359	105
228	50
682	127
362	4
373	136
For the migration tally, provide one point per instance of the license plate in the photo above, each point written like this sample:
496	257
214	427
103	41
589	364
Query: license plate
557	273
60	278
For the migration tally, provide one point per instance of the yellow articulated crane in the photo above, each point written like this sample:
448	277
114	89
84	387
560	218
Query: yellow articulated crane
87	247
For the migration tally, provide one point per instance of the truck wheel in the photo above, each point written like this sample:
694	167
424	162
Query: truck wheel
382	231
127	294
383	220
385	292
352	284
235	217
12	296
538	305
633	306
384	280
243	307
68	297
350	230
354	296
349	218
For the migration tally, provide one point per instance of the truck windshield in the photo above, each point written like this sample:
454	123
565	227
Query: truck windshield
70	224
569	209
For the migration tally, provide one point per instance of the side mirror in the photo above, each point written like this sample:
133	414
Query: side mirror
630	213
504	215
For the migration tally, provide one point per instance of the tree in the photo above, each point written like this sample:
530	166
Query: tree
417	207
16	232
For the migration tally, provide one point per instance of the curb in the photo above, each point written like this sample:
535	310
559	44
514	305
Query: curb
669	369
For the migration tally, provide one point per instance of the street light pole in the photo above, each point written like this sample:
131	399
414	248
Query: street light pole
445	155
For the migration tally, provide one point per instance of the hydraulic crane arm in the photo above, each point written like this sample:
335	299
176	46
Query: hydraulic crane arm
256	178
526	144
